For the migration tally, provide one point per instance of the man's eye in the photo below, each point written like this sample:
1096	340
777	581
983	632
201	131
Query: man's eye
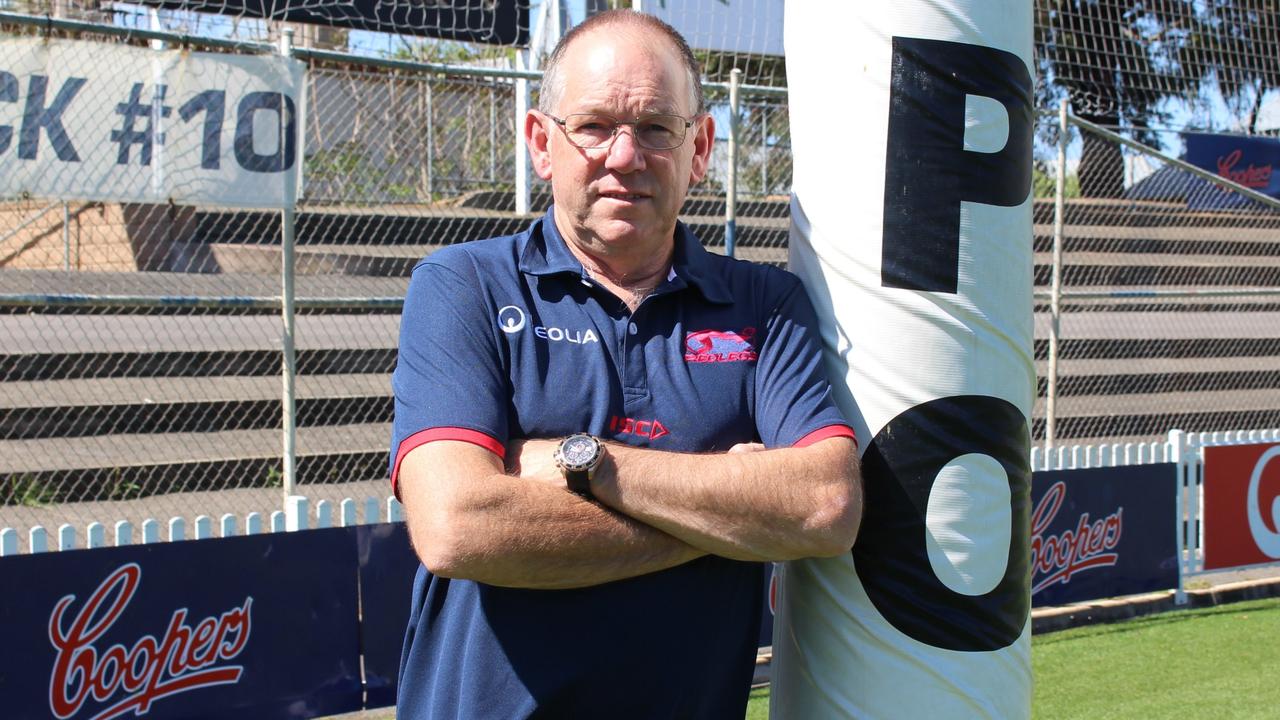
655	129
592	127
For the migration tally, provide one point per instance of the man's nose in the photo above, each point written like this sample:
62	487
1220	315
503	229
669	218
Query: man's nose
624	154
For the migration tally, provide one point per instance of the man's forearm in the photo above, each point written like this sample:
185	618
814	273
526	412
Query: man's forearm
770	505
480	524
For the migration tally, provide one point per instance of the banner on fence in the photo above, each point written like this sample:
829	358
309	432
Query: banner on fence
1103	532
1241	505
224	628
111	122
387	567
745	26
1247	161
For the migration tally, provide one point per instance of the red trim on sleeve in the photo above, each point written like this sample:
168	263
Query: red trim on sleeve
823	433
422	437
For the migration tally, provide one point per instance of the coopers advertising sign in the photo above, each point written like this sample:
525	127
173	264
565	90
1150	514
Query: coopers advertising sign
1249	161
1241	505
245	627
1102	532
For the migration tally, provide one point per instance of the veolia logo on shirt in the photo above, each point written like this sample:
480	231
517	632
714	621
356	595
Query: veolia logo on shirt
511	320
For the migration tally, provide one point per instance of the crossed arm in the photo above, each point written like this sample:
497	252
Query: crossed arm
472	518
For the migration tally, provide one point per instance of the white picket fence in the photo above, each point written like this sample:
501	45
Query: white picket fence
1185	449
296	515
1072	457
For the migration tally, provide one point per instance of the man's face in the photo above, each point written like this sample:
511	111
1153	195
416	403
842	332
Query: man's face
621	199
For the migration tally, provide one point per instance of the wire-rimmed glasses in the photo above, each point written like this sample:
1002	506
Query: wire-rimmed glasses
652	132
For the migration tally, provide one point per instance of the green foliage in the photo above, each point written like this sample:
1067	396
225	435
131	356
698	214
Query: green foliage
1044	185
349	166
27	490
120	488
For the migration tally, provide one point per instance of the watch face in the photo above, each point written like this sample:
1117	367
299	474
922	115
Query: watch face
578	451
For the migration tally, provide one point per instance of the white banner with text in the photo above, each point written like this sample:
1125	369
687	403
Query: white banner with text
110	122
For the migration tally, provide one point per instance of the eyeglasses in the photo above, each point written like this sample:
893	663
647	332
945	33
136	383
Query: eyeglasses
652	132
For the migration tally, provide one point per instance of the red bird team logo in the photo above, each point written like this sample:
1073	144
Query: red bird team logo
717	346
129	679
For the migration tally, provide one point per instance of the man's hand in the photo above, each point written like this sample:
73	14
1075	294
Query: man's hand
535	460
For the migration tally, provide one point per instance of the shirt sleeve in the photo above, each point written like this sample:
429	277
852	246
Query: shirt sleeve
794	405
449	382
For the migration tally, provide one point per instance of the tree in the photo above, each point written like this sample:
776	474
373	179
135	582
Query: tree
1116	61
1129	63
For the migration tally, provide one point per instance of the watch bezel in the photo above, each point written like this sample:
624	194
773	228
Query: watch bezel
577	475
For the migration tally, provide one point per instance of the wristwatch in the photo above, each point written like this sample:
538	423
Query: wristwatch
578	456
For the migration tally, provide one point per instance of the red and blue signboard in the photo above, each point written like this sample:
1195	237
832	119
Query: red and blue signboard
1247	161
1241	505
246	627
1102	532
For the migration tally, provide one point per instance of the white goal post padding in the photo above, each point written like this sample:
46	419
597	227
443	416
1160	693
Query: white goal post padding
911	227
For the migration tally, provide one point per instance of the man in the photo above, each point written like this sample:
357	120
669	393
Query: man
630	597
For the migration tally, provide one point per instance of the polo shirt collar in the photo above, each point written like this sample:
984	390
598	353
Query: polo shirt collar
544	252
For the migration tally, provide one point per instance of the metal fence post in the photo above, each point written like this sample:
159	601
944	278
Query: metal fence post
522	154
764	149
288	364
1178	448
493	134
731	187
1055	296
66	236
431	141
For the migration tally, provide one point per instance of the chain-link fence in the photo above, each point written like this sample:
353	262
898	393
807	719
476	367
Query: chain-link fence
1167	307
144	342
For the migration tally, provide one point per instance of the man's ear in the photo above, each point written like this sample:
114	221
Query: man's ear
704	135
537	139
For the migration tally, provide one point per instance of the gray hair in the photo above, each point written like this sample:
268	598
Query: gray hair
553	81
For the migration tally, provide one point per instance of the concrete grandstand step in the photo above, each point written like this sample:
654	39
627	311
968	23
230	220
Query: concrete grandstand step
170	390
126	450
101	406
1169	273
184	284
1150	214
1138	327
757	244
30	367
1217	240
133	466
37	333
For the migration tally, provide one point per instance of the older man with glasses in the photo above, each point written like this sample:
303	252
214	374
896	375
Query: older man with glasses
602	429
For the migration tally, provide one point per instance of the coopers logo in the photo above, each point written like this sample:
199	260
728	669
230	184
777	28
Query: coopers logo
511	320
719	346
188	656
1253	176
1056	558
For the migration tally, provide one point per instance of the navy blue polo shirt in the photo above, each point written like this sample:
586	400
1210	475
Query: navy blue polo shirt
509	338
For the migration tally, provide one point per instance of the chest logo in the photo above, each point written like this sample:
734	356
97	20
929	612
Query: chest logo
652	429
510	319
719	346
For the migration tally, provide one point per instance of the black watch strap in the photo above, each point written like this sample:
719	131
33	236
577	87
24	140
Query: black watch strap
579	481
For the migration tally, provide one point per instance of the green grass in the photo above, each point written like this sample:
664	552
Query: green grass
1221	662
